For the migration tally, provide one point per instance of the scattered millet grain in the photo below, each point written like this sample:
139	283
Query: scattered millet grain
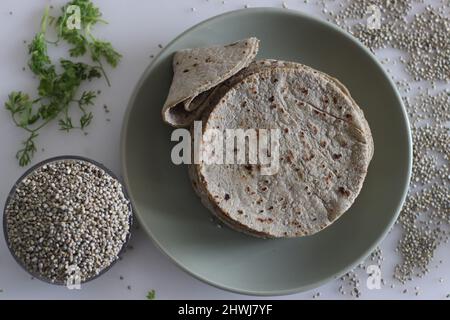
423	40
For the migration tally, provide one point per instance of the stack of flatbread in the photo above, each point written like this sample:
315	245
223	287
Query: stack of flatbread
325	145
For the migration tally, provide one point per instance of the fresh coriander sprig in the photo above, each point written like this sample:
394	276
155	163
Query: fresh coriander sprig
82	40
151	295
57	91
21	108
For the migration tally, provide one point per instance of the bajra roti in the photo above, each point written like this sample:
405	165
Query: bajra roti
197	71
325	149
215	94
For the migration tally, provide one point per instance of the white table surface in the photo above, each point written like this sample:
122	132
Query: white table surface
136	28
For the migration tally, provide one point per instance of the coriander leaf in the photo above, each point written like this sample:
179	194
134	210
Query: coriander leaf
90	14
49	111
87	98
24	155
25	116
85	120
83	40
70	80
73	37
21	109
33	119
65	124
17	102
39	60
102	49
151	295
40	63
57	89
79	49
76	71
94	72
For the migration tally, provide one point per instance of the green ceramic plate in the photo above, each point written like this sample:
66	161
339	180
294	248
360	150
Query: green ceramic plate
170	212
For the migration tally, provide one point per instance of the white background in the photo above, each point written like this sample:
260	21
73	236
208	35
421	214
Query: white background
136	28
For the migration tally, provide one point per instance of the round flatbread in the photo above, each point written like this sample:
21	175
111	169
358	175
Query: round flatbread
325	149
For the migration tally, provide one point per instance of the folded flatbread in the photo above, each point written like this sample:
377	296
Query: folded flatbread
197	71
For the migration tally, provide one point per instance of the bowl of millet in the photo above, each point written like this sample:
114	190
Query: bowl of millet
67	217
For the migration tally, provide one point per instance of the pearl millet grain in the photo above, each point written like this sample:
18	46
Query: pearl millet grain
67	213
422	38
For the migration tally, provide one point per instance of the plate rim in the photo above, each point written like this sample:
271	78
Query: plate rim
301	15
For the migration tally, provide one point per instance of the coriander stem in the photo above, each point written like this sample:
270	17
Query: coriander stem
104	73
52	42
44	21
81	108
19	125
41	126
88	33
